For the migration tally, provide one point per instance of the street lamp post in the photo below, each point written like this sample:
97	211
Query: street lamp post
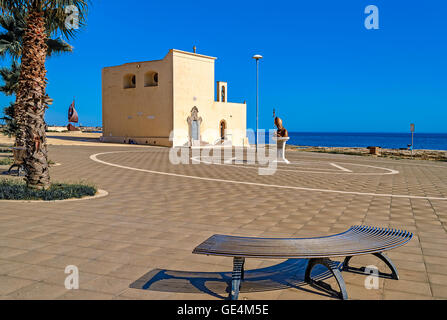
257	57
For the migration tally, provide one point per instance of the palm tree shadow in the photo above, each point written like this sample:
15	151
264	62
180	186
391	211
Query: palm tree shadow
287	274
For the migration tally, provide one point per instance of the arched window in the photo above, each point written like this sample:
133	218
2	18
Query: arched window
151	79
129	81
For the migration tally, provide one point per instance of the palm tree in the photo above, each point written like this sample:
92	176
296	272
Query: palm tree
43	17
11	40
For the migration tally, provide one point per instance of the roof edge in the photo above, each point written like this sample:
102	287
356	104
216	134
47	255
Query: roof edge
171	50
192	54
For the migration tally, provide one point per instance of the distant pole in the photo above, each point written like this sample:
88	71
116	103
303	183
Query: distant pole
257	57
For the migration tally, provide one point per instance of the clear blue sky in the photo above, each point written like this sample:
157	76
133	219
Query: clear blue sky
322	69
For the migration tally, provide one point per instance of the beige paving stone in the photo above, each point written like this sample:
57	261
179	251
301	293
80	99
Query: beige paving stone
7	266
87	253
194	296
265	295
58	278
11	284
435	260
56	249
62	261
107	284
141	249
435	253
125	258
35	272
129	272
54	238
6	252
359	279
146	294
409	275
85	295
39	291
440	279
405	256
32	257
302	293
21	243
439	291
111	245
409	286
400	295
98	267
436	268
410	265
356	292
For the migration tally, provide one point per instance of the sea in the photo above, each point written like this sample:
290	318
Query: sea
430	141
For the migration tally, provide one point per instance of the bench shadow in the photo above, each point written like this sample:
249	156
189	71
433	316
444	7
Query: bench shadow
287	274
13	172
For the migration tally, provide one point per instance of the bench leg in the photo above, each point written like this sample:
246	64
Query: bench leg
10	168
333	269
381	256
236	277
20	169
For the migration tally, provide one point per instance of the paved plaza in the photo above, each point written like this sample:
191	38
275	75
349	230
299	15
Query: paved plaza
156	213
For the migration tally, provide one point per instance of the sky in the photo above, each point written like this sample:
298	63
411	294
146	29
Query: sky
322	70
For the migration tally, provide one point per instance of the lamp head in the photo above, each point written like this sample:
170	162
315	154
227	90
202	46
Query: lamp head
257	56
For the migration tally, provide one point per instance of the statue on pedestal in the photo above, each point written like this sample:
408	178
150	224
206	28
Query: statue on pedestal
281	132
281	137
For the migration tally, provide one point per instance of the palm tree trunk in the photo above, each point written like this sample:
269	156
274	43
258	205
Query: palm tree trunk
20	132
31	104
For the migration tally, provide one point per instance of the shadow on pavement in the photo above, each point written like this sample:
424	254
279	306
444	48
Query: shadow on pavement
288	274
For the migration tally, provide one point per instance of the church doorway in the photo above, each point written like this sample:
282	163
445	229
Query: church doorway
194	122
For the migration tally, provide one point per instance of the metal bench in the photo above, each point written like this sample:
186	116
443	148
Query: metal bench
357	240
19	155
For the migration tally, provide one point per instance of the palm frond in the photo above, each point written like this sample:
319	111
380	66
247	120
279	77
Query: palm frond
14	25
10	77
57	46
57	14
11	126
10	39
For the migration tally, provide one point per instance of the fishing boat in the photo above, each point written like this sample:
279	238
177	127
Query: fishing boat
72	117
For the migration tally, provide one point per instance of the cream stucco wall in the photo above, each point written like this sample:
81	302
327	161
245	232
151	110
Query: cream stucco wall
147	115
194	87
141	113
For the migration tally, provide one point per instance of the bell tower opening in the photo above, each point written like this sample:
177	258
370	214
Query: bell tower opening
222	92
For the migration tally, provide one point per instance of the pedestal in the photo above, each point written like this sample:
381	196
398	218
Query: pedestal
281	149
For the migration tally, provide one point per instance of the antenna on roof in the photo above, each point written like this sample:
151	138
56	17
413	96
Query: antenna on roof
194	49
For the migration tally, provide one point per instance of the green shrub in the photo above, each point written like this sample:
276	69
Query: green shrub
17	190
